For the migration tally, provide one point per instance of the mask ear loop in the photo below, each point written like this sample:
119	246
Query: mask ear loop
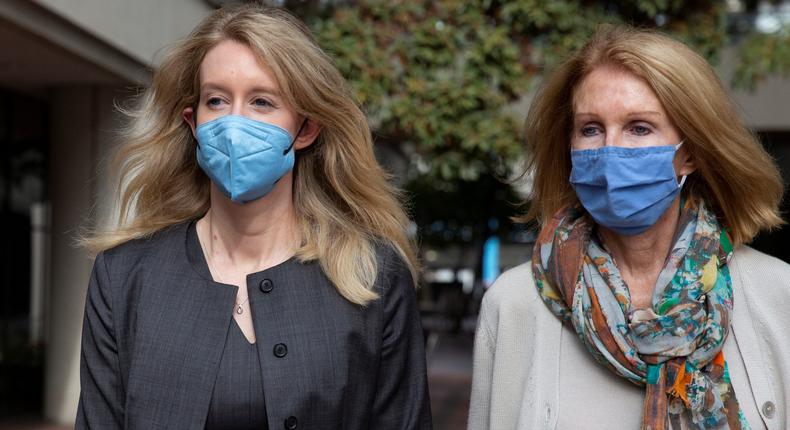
298	132
683	178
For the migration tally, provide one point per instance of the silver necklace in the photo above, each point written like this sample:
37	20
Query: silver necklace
239	310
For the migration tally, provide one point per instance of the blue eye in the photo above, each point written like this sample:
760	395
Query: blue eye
588	131
640	130
261	102
214	101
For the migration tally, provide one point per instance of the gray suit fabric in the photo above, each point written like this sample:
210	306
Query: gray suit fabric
155	328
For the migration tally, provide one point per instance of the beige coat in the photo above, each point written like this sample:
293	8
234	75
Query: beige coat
531	372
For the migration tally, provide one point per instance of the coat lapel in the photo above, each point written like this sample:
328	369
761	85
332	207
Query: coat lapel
181	324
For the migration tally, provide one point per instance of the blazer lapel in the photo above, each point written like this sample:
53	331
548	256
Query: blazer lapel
182	326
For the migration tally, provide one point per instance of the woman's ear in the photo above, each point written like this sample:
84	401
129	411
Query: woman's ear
307	135
684	162
189	117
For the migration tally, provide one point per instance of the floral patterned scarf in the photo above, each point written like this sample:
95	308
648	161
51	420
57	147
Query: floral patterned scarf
674	348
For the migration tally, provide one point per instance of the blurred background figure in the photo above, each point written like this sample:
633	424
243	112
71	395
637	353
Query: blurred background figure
491	254
443	84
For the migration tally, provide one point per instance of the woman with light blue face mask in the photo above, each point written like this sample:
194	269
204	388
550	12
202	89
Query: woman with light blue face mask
642	306
259	274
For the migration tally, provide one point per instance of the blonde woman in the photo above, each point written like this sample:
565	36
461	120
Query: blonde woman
642	306
259	275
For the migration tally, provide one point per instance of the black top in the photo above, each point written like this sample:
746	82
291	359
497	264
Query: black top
237	401
156	328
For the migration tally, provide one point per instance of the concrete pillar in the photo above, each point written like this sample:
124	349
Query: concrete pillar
39	270
82	126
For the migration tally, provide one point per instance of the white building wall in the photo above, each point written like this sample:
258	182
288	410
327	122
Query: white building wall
767	107
139	27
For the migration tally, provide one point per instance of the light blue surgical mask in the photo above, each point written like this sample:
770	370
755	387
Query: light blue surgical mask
625	189
244	158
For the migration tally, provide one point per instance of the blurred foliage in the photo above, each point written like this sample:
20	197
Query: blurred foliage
438	76
443	81
760	56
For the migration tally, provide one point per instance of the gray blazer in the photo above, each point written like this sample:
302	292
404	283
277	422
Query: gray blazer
155	327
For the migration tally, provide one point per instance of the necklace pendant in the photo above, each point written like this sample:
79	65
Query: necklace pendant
239	310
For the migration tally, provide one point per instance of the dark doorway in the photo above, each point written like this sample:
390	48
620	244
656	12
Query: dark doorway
23	196
776	242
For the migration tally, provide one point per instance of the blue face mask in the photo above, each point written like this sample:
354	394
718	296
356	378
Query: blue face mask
625	189
243	157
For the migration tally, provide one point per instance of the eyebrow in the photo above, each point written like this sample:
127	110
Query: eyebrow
261	89
644	112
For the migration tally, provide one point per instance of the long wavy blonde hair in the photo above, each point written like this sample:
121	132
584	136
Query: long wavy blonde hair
735	175
343	201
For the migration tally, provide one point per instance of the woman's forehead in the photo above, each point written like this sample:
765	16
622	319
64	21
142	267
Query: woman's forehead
230	63
608	89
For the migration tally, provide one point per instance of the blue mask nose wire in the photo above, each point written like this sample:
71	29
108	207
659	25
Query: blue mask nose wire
298	132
